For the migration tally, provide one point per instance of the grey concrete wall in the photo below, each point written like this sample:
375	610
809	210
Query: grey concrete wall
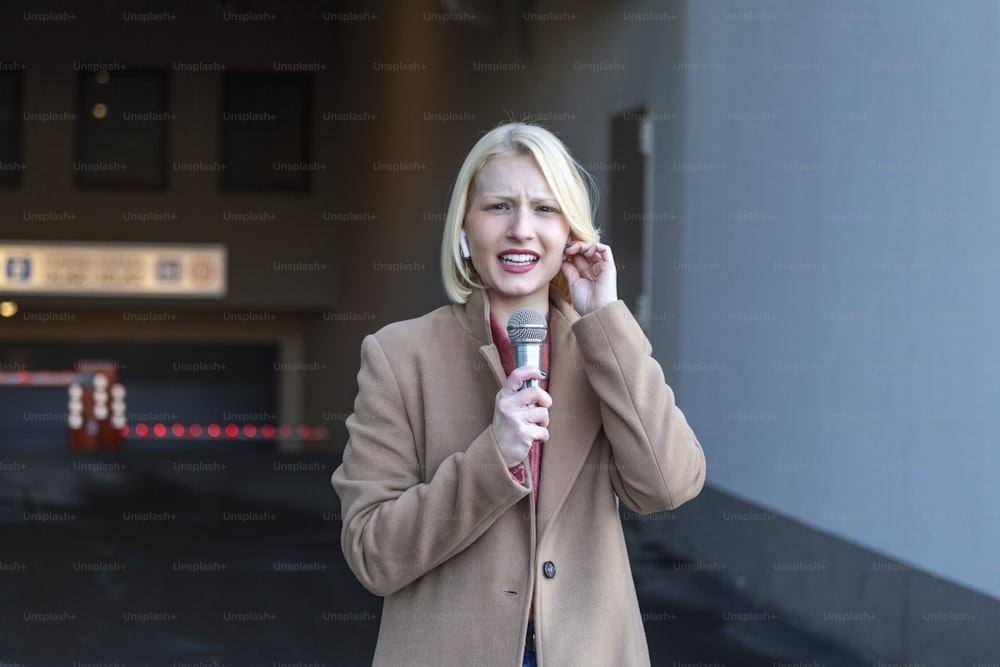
836	354
839	268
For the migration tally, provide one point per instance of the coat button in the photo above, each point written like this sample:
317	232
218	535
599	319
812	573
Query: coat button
549	569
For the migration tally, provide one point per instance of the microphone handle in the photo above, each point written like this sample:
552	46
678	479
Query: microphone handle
529	354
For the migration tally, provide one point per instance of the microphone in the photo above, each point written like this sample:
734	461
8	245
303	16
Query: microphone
527	329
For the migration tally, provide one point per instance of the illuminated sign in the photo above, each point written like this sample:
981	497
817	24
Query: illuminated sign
112	269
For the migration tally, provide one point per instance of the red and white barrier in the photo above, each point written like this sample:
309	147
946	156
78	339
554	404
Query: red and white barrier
96	416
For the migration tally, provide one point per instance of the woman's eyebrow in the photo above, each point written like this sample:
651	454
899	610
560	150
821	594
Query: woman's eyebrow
532	198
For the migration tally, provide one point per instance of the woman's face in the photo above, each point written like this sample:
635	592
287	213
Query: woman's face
516	231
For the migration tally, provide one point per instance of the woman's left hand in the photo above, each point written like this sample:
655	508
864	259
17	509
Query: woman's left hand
592	275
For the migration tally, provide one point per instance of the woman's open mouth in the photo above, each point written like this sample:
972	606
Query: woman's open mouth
518	262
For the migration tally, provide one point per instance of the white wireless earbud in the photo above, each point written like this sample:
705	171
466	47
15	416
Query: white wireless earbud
463	244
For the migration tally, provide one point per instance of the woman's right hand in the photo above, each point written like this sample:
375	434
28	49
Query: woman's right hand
520	417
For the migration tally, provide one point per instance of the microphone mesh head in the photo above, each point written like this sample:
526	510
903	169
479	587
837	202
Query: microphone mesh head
527	326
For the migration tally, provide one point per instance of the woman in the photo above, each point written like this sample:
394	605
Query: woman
487	516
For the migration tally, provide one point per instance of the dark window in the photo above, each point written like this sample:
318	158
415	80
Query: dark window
122	130
265	131
10	127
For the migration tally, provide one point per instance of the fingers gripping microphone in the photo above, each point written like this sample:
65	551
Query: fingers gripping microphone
527	329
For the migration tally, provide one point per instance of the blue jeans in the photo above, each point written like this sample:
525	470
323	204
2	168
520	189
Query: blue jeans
529	652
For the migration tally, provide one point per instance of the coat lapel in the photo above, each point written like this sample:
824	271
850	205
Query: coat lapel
475	318
574	419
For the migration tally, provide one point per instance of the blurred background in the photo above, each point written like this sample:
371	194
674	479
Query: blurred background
209	204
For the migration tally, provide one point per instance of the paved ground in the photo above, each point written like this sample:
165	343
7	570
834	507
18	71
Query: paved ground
229	556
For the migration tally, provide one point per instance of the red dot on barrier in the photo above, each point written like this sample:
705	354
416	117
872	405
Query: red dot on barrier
231	430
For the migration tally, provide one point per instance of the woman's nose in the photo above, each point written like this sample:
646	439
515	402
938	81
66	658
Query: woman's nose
522	226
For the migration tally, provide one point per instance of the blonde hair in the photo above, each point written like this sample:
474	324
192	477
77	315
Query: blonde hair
572	186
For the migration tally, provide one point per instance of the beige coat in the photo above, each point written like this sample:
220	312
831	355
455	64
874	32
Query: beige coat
434	522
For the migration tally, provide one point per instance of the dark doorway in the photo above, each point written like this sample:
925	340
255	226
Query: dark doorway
168	383
628	207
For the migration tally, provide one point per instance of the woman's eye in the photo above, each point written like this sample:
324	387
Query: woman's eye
496	207
547	209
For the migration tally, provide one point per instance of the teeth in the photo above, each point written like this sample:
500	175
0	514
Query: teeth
517	259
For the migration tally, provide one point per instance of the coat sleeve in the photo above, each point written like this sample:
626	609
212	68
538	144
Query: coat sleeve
396	527
658	461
